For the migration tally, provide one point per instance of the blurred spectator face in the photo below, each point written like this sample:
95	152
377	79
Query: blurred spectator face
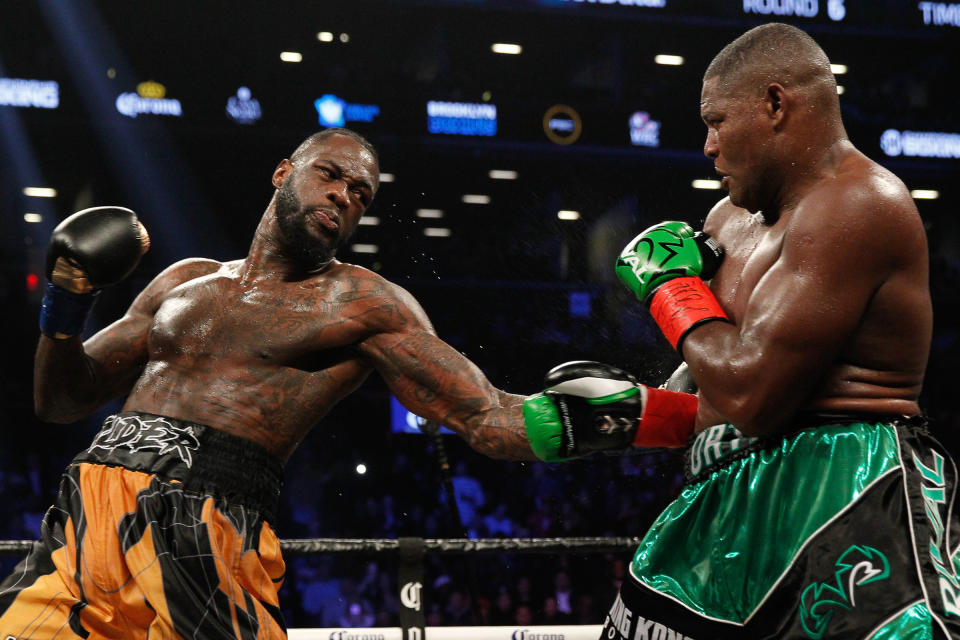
586	612
483	605
550	607
435	617
504	602
562	581
523	615
619	568
523	588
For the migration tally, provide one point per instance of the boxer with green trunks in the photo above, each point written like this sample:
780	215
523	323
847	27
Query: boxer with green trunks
817	504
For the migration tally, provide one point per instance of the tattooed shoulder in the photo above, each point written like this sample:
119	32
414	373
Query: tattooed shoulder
388	306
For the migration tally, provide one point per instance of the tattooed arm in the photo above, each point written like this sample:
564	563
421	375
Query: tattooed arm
435	381
72	378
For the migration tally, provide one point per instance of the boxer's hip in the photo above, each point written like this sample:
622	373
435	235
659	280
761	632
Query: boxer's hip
161	527
195	456
762	528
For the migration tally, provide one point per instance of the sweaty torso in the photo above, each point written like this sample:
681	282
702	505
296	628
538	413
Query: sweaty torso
879	369
263	359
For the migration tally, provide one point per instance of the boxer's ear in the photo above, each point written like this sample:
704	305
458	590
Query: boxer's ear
777	101
281	173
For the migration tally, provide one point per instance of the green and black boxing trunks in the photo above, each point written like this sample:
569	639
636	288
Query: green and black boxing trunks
160	530
839	530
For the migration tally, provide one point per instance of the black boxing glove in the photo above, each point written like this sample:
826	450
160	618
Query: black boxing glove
89	250
105	242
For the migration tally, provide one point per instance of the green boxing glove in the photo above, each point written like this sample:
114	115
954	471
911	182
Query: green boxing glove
664	252
587	407
591	406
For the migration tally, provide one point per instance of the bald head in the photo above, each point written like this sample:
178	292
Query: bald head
320	136
774	52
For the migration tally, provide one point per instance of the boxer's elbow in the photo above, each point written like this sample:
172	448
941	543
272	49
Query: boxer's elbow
743	391
58	408
53	413
750	412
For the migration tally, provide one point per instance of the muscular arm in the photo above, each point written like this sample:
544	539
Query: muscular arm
435	381
836	254
72	378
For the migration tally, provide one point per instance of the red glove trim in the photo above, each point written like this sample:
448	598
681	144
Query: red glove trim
667	419
682	304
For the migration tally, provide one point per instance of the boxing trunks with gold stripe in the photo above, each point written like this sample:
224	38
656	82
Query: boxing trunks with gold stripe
843	529
160	530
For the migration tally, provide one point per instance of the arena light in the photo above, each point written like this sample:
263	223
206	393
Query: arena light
39	192
291	56
430	213
369	221
838	69
361	469
506	48
325	36
668	59
568	214
925	194
502	174
32	217
344	38
386	177
475	198
706	184
437	232
840	89
365	248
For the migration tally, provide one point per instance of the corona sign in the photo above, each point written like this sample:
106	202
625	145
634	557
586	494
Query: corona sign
149	99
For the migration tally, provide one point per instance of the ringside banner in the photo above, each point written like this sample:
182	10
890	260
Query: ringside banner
558	632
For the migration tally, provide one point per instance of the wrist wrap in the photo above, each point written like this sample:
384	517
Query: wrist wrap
64	313
667	419
682	304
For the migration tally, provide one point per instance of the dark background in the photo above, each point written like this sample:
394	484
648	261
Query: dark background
499	288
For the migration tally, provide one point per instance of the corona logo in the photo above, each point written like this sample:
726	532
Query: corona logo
151	89
410	595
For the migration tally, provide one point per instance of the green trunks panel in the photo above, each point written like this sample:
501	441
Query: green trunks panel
699	551
913	624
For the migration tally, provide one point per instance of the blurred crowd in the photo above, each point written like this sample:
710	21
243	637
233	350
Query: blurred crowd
606	496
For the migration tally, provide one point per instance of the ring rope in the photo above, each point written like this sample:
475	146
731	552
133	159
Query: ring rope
443	546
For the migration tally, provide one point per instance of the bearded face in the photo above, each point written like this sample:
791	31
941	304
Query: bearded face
309	246
321	195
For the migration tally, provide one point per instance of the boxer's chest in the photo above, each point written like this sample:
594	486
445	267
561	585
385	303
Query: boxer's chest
751	250
216	317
